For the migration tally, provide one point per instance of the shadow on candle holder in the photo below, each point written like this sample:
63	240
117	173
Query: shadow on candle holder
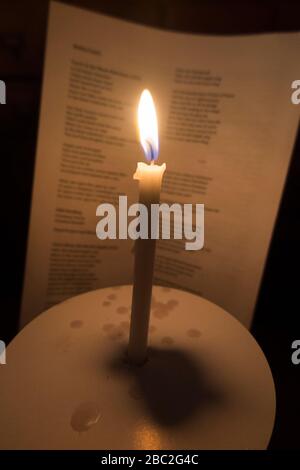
171	385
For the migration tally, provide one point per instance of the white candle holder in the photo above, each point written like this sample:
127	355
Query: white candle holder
67	385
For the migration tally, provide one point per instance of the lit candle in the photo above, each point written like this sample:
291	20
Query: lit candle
149	176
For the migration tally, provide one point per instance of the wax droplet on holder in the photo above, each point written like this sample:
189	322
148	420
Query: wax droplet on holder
116	333
122	310
160	311
106	303
112	296
167	340
76	324
172	303
194	333
85	416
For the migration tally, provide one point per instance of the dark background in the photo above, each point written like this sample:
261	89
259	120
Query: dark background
22	39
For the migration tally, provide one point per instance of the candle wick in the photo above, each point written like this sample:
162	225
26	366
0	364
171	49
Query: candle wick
152	158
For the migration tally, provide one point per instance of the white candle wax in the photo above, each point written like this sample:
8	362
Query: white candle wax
150	179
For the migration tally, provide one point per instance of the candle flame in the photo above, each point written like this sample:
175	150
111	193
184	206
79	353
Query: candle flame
148	127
